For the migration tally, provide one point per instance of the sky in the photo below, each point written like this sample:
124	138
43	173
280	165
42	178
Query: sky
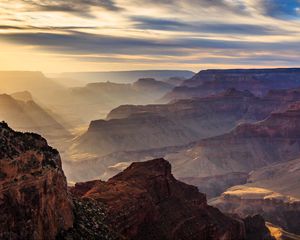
104	35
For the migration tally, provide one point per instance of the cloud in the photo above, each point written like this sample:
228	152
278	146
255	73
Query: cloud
8	27
156	31
279	8
84	43
224	5
31	28
78	7
204	27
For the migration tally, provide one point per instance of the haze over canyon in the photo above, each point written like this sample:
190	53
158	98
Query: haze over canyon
150	120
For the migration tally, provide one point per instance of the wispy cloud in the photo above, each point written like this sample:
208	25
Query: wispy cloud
80	7
204	27
153	32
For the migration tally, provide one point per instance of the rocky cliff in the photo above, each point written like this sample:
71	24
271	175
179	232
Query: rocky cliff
34	202
258	81
145	202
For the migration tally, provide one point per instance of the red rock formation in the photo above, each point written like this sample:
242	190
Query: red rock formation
146	202
34	203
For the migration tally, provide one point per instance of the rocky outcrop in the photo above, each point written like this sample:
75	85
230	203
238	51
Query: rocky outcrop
258	81
145	202
34	202
274	207
272	191
90	222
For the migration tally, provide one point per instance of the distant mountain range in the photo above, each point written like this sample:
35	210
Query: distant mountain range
74	79
80	105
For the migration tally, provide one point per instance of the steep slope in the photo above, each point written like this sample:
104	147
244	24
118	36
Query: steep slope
24	96
258	81
29	116
145	202
247	147
34	203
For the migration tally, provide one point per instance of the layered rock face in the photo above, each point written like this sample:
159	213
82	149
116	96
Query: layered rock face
134	133
134	128
145	202
34	202
247	147
258	81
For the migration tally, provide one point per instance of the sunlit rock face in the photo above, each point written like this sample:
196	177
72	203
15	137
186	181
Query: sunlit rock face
258	81
272	191
34	202
145	201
